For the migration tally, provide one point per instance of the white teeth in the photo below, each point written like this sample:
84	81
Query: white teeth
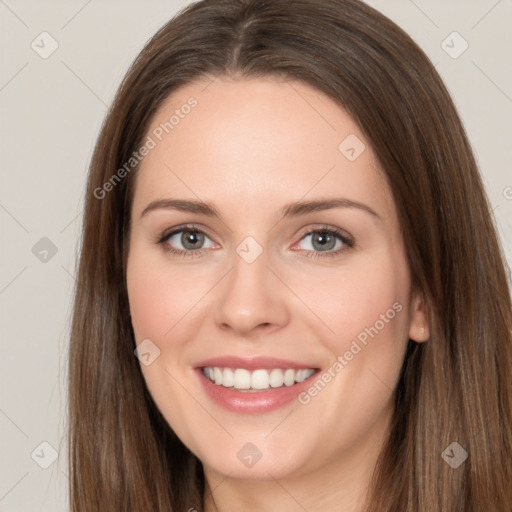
228	377
217	374
301	375
276	378
240	378
259	379
289	377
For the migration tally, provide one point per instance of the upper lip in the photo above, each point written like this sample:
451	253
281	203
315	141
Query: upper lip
252	363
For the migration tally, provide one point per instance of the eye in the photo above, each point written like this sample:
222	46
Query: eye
329	241
188	241
185	241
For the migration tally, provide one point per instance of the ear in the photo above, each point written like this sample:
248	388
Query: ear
419	330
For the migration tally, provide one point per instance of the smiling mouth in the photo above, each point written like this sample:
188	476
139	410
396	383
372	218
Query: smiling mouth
251	381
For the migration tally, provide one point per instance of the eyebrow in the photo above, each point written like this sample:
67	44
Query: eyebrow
295	209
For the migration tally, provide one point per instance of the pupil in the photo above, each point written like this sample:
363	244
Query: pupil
323	238
192	238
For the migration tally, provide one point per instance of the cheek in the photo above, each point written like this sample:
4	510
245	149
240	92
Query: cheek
366	311
148	306
373	330
160	297
160	300
349	302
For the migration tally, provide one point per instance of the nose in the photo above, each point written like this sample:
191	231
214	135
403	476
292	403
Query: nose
251	298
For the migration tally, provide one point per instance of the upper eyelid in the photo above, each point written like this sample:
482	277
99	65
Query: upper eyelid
173	231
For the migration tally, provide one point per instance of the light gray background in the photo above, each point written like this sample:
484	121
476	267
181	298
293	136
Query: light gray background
51	112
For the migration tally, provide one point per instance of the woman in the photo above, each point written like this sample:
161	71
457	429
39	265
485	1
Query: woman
286	226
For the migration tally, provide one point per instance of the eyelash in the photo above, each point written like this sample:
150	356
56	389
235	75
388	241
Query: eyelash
348	243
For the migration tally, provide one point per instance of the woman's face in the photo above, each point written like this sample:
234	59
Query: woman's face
265	281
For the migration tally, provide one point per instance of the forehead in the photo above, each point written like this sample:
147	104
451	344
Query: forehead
238	141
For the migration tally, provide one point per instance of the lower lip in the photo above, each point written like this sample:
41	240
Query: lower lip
257	402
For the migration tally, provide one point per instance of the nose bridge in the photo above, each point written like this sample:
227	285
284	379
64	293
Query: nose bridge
250	295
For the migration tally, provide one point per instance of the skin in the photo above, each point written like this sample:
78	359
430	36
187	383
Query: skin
249	147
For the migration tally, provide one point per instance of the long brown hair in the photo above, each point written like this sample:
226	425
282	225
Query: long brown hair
456	387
